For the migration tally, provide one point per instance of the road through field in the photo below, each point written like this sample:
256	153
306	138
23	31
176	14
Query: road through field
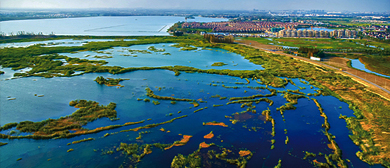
376	84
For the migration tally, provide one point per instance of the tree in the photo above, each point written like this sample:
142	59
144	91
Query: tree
177	33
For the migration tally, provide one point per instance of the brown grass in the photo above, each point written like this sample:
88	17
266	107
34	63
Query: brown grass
218	124
244	153
204	145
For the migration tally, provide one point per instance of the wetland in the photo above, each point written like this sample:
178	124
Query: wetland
259	109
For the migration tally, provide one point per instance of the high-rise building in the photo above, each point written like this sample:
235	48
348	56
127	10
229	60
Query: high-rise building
299	33
304	33
316	33
348	33
288	33
294	33
340	33
333	33
322	34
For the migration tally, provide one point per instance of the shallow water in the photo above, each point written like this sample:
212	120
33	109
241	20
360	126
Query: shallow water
56	43
303	124
200	58
358	65
100	26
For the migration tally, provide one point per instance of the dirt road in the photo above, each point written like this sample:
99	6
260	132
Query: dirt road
376	84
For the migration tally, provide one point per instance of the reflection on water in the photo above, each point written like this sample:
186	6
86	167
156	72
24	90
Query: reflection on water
100	26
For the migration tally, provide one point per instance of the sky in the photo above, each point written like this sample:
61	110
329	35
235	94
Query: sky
328	5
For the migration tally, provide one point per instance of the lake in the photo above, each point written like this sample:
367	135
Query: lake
101	26
198	58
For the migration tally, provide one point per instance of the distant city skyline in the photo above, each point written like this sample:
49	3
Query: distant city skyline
328	5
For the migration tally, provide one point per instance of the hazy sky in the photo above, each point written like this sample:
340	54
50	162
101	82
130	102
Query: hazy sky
330	5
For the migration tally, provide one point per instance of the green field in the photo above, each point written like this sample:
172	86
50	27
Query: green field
322	43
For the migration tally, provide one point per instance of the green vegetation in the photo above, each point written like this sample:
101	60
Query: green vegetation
59	128
152	48
218	64
178	28
308	154
109	81
200	109
151	94
325	44
70	150
3	143
8	126
188	48
192	160
88	111
83	140
337	154
137	152
380	64
102	57
218	39
292	100
273	93
279	164
154	125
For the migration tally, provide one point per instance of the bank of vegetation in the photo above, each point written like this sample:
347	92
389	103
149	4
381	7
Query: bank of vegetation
108	81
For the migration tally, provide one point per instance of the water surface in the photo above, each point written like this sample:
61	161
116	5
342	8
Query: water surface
359	65
100	26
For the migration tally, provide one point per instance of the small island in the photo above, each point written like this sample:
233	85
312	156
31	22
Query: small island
218	64
109	81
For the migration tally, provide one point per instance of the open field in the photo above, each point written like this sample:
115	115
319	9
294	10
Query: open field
324	43
337	62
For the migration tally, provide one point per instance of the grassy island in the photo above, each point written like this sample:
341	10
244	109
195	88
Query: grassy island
109	81
151	94
88	111
218	64
137	152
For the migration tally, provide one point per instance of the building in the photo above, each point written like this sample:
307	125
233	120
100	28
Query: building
317	34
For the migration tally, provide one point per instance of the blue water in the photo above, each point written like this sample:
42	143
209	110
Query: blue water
56	43
100	26
303	124
358	65
201	58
